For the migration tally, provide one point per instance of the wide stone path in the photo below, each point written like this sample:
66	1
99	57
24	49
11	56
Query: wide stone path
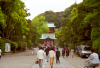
63	64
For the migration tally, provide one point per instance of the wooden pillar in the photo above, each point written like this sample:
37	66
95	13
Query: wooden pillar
53	42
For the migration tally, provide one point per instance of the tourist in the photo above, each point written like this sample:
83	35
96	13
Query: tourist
47	52
63	52
51	56
57	56
72	52
94	57
40	56
67	52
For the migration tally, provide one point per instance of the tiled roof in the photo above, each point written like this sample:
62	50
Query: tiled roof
51	24
48	35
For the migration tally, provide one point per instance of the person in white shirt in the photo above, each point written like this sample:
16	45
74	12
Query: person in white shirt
94	57
72	52
40	56
51	56
0	52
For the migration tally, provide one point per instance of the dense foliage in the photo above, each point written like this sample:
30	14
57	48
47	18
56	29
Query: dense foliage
15	27
2	45
78	24
82	25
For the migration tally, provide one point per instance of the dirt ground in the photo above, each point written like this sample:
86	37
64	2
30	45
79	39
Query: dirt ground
18	60
76	61
27	60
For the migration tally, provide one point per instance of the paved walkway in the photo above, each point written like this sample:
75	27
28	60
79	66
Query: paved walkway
63	64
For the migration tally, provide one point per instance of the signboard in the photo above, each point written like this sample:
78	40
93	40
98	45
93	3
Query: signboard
7	47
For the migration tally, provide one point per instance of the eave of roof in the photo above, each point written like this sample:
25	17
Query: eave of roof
48	35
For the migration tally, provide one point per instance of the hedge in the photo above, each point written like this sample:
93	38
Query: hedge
89	43
21	46
83	43
29	43
96	45
2	45
14	46
24	45
7	40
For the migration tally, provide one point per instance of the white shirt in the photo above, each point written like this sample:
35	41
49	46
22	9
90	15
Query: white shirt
94	57
0	51
40	54
51	54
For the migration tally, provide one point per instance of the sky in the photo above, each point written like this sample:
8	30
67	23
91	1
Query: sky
37	7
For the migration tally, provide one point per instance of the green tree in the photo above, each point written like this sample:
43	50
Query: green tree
40	26
14	18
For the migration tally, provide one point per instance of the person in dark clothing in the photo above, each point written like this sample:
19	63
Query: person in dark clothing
63	52
67	52
47	52
57	56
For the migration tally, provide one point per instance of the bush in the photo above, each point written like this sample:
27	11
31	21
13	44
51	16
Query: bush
2	45
83	43
89	42
24	46
21	46
77	44
7	40
71	46
14	46
29	43
96	45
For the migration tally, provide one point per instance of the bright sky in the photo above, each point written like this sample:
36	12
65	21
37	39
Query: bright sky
40	6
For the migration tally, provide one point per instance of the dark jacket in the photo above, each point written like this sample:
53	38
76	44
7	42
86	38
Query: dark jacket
63	52
67	52
57	53
47	51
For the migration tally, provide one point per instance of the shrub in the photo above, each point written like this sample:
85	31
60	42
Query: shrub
24	46
71	46
83	43
96	45
19	45
2	45
29	43
89	42
14	46
7	41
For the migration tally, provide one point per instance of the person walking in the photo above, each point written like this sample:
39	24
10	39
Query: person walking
51	56
65	48
32	51
67	52
72	52
57	56
94	57
0	52
63	52
40	56
47	52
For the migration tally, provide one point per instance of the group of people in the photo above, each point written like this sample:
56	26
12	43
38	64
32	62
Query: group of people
66	51
48	53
